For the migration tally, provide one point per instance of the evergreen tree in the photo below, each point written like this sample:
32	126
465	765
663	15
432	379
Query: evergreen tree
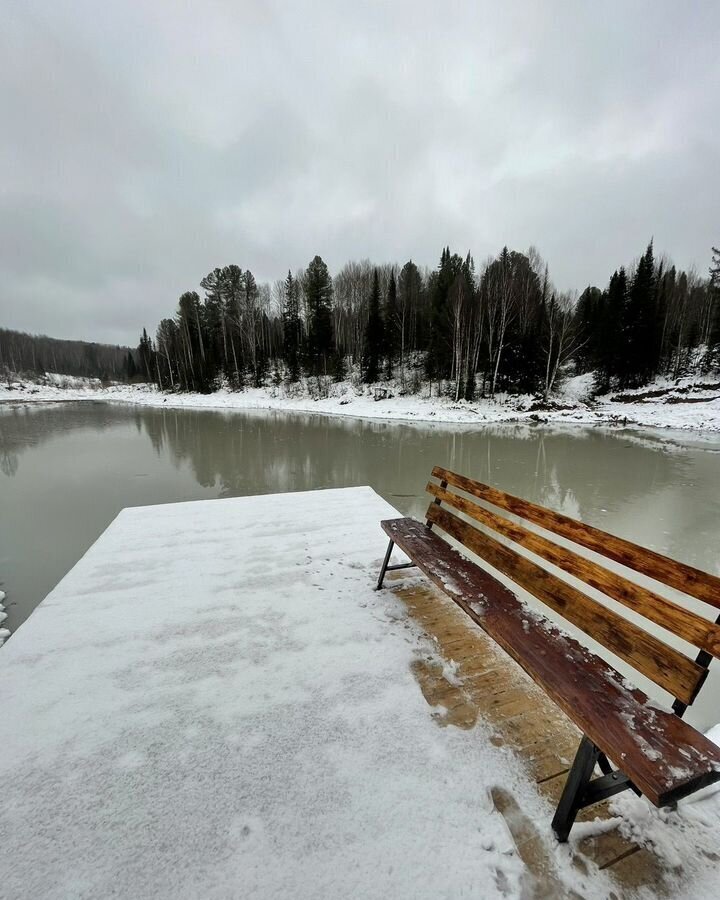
339	366
713	315
641	344
392	325
130	367
216	323
588	314
600	320
714	270
233	290
613	351
320	344
373	336
145	355
292	328
440	351
507	327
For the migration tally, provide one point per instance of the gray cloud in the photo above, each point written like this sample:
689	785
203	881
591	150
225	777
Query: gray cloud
144	144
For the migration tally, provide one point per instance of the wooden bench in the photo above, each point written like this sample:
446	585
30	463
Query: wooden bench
653	751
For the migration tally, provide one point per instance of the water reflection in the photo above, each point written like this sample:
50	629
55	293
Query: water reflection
23	427
67	469
583	472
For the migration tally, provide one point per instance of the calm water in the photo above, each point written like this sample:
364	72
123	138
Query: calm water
67	469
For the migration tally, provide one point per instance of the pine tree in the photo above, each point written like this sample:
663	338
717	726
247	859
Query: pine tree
438	362
251	324
613	358
190	329
339	366
145	355
712	328
233	289
292	328
216	323
469	339
130	367
504	327
587	314
392	325
641	344
373	335
320	344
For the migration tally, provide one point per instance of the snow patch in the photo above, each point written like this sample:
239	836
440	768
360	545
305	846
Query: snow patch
687	403
226	725
4	632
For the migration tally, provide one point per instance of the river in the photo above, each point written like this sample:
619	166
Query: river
66	470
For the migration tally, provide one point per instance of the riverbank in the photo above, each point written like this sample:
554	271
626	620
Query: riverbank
690	403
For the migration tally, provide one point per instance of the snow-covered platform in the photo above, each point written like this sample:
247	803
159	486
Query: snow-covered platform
215	703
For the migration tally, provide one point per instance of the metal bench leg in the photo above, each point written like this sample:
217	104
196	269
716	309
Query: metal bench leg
604	764
578	778
387	568
385	565
582	790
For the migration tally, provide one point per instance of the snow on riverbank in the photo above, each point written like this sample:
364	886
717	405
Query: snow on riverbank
4	632
688	403
51	388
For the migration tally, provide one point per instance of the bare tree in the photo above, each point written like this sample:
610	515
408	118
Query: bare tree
501	309
562	337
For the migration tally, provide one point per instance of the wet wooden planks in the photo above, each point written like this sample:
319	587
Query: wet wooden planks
491	687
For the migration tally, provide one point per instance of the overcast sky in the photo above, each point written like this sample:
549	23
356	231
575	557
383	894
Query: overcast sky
143	144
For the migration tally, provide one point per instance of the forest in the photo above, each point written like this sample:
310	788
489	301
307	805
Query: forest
465	330
37	354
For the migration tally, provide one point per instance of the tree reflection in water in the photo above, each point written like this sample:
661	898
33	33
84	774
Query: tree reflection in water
85	461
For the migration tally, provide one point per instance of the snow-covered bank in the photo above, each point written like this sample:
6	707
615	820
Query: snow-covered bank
4	632
688	403
51	388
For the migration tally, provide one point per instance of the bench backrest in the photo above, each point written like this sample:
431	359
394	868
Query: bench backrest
682	675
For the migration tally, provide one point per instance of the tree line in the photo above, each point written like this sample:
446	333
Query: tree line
465	330
650	320
37	354
462	329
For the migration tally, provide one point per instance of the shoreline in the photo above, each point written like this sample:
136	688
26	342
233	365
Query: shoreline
690	405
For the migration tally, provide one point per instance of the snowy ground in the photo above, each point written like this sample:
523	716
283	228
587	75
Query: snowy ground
215	703
688	403
4	632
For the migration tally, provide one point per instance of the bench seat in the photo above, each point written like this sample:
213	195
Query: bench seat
664	757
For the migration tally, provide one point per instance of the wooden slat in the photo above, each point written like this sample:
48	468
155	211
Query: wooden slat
678	575
518	714
659	662
618	719
680	621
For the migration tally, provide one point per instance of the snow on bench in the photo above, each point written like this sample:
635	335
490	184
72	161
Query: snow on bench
657	753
